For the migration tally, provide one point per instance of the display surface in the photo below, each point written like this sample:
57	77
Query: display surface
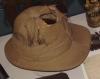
92	67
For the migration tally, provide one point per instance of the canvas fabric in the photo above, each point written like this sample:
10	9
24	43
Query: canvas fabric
43	40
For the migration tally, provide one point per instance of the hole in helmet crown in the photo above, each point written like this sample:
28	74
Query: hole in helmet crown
49	18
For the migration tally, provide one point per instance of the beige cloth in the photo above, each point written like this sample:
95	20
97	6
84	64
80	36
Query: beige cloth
44	40
92	66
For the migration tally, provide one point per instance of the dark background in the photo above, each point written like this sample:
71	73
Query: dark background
3	74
